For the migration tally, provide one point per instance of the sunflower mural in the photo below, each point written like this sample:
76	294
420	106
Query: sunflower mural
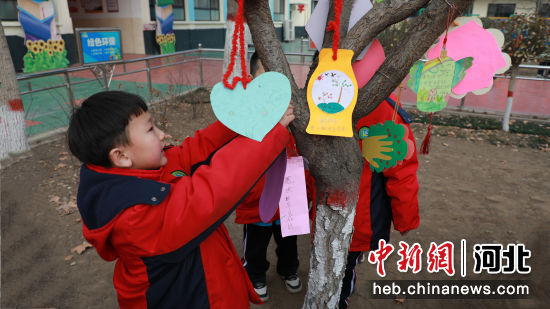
45	48
165	36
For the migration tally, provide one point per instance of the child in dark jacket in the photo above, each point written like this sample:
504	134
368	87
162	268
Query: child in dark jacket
159	211
390	196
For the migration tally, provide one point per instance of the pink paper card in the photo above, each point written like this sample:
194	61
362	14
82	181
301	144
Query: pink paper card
365	68
471	40
293	208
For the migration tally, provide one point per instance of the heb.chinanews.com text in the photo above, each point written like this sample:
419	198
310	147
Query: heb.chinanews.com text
449	289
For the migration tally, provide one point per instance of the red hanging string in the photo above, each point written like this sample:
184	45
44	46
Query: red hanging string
425	148
238	38
334	25
450	14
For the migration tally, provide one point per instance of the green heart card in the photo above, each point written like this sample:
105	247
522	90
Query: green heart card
254	111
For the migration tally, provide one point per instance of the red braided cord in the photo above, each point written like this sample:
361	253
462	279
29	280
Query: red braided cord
335	26
449	19
244	76
238	34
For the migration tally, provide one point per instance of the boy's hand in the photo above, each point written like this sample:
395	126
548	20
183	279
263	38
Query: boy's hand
288	116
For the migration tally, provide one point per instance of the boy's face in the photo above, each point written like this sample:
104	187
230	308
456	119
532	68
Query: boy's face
145	150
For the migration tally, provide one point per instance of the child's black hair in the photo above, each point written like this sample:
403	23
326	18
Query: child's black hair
100	124
254	63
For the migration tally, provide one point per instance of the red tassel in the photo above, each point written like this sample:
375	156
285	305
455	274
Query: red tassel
425	147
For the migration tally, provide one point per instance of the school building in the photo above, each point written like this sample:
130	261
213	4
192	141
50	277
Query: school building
506	8
193	22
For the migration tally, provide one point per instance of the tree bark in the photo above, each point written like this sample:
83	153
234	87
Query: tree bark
12	115
336	162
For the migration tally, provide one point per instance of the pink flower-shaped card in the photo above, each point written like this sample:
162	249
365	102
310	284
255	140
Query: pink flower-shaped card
471	40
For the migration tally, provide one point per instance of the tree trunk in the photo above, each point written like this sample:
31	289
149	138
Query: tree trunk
510	99
336	162
332	227
12	115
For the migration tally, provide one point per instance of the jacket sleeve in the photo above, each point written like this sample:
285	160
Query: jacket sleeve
197	148
402	188
199	203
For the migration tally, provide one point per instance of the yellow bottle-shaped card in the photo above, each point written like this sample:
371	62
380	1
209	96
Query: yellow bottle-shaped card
332	94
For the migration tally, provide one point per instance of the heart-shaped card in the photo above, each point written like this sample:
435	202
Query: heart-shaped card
254	111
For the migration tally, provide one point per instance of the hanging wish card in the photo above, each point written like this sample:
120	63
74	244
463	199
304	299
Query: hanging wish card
293	207
384	145
251	109
332	94
254	111
365	68
271	193
432	81
471	40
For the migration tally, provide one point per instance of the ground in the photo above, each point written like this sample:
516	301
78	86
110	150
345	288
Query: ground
482	186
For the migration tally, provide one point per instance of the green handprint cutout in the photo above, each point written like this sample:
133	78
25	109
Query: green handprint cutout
384	145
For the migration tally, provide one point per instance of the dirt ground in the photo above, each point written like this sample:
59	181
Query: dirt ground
469	189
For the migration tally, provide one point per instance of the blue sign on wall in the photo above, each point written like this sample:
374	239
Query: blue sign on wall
100	45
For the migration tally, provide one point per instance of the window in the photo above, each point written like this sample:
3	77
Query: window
178	9
278	10
207	9
545	10
314	4
501	9
468	11
8	10
152	14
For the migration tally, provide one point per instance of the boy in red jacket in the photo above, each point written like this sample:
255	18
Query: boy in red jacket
158	211
386	197
257	234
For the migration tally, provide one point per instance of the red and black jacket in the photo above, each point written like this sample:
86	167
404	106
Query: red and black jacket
165	227
389	196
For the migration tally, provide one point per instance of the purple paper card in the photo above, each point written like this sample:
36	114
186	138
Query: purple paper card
271	195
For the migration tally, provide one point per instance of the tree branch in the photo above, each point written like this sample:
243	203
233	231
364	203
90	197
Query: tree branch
376	20
425	30
269	49
369	26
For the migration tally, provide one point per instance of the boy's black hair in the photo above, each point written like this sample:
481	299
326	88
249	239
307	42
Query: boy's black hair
254	63
100	124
